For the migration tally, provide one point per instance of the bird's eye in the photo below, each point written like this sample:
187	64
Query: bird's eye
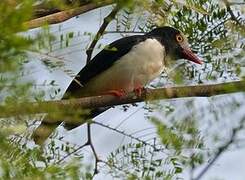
179	38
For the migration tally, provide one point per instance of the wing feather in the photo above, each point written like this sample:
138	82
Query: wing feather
102	61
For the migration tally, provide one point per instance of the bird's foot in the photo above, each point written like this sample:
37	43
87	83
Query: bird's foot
138	91
117	93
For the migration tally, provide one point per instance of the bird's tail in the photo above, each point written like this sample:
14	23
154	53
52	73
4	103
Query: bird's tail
46	128
43	131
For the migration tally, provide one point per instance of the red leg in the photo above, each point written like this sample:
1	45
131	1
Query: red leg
138	90
118	93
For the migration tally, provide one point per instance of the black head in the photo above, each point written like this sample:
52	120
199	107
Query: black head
175	43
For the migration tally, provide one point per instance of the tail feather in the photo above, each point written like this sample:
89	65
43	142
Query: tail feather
43	131
46	128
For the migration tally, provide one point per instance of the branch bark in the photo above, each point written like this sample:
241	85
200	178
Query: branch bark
109	100
58	17
47	7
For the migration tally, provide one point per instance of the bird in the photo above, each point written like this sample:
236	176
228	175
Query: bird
126	65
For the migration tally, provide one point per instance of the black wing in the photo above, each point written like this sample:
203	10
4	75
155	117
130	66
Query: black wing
104	60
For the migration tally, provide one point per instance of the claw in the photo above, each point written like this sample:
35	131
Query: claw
138	91
118	93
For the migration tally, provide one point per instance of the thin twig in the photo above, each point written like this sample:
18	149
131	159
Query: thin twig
222	149
89	52
228	7
125	134
124	32
141	130
69	154
210	30
90	143
236	3
128	117
100	32
111	165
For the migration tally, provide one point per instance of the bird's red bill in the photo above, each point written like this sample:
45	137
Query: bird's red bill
191	56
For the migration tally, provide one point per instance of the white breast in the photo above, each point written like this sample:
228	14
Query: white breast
146	60
143	63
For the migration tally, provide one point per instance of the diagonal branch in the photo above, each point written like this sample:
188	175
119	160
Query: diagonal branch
62	16
228	7
101	31
221	149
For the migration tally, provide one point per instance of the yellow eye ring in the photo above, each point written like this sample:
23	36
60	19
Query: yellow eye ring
179	38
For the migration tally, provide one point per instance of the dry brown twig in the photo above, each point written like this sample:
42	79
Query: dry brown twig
62	16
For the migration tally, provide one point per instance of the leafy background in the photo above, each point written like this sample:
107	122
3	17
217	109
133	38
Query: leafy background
176	138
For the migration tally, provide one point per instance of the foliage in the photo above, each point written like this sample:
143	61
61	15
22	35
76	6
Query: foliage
218	37
17	160
181	142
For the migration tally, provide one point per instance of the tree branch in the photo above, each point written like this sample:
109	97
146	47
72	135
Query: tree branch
62	16
101	31
46	7
109	100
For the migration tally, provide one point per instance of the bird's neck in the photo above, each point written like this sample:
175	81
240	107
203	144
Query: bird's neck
169	62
